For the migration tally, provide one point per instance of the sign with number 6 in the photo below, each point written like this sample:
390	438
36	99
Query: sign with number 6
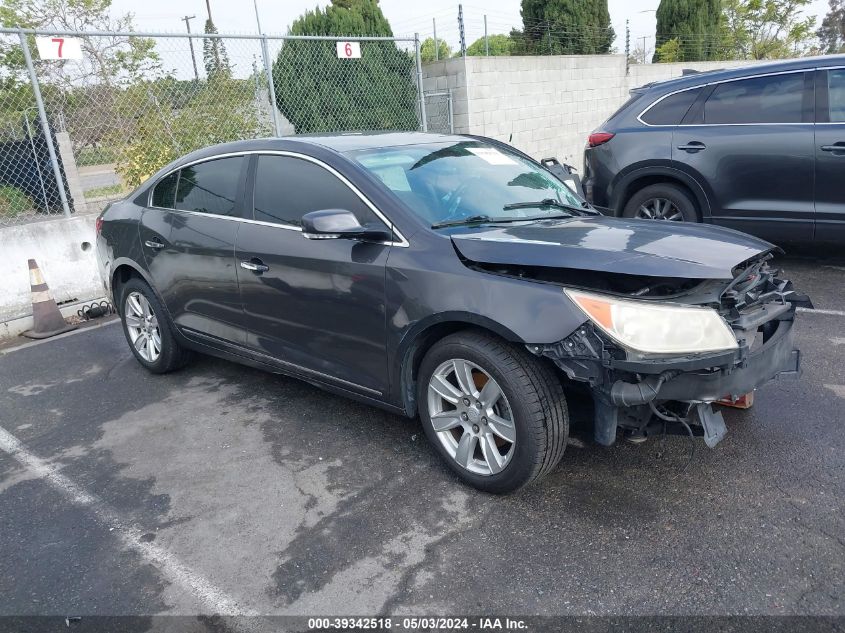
349	50
58	47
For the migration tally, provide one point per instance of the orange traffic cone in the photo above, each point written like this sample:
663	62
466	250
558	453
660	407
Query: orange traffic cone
47	320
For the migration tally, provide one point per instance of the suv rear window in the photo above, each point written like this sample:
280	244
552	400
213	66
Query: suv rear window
672	109
772	99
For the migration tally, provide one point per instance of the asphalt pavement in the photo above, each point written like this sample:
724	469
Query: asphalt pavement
222	489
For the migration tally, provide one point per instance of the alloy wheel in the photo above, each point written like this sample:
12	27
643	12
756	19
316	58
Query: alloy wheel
471	417
659	209
142	325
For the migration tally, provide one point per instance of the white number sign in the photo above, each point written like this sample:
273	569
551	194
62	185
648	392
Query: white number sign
349	50
58	47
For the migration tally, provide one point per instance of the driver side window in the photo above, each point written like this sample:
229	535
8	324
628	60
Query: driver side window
286	188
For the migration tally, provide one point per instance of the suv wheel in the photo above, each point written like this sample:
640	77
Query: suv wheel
662	201
496	414
148	330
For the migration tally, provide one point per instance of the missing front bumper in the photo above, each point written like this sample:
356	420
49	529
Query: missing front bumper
623	397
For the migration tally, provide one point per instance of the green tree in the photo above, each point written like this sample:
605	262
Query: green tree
669	52
427	50
214	55
318	92
499	45
694	23
565	27
831	34
766	29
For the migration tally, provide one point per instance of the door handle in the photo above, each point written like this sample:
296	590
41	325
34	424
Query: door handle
838	147
154	244
693	146
255	265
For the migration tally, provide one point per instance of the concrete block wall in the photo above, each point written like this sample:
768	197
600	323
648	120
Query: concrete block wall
65	252
545	106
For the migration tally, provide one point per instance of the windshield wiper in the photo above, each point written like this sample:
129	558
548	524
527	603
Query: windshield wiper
548	202
461	221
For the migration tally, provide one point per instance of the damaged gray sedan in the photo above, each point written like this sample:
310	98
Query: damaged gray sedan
451	278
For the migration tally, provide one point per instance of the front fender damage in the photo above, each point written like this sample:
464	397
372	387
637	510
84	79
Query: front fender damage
637	393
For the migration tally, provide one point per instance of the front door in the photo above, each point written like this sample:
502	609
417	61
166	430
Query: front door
189	239
830	156
318	305
750	143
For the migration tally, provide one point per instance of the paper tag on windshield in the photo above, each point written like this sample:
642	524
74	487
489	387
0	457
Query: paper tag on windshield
492	156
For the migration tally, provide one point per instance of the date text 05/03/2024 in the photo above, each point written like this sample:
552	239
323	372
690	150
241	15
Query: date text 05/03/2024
418	623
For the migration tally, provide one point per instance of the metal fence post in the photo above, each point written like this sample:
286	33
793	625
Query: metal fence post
268	70
45	125
423	121
451	113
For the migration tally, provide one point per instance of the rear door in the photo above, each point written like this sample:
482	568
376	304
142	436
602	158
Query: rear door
318	305
749	143
830	155
190	247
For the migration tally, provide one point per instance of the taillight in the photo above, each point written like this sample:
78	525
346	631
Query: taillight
599	138
98	225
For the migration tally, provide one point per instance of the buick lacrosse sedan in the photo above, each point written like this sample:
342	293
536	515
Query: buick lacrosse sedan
447	277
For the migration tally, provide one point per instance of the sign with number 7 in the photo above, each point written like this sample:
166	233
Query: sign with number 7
57	47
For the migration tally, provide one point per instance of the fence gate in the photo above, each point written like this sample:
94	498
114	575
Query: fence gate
438	109
120	105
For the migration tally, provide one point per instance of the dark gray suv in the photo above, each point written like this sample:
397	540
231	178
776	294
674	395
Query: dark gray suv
760	149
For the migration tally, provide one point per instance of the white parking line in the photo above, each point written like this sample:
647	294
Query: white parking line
820	311
213	599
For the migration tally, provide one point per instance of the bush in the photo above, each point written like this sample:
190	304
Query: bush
13	202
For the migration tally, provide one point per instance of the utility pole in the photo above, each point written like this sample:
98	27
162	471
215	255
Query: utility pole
486	41
643	38
257	19
461	29
187	20
436	43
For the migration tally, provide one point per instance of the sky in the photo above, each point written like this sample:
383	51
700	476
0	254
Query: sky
405	16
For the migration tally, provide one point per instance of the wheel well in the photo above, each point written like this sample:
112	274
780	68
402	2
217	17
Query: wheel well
121	275
656	179
424	341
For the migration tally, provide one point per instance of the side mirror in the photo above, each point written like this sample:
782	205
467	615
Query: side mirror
335	224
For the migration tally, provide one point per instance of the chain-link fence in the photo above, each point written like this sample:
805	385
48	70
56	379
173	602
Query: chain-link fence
438	111
118	106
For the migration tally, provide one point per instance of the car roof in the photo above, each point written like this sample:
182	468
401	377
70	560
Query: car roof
339	142
701	78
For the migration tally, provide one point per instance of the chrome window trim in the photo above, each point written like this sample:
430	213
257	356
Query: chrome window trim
401	242
715	83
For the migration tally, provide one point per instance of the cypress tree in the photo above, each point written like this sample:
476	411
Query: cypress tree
567	27
694	23
318	92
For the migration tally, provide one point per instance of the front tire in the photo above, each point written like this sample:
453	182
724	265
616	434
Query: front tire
663	201
148	329
494	413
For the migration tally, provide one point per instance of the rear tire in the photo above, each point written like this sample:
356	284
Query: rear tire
148	329
528	407
663	201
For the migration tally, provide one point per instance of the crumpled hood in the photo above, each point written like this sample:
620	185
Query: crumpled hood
636	247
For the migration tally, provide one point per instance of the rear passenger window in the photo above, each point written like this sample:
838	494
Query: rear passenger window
836	95
210	187
164	193
286	188
672	109
773	99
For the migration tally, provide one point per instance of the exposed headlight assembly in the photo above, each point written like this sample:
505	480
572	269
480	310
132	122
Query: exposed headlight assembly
651	327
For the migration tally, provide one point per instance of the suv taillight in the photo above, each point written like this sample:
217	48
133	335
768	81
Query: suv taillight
98	225
599	138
